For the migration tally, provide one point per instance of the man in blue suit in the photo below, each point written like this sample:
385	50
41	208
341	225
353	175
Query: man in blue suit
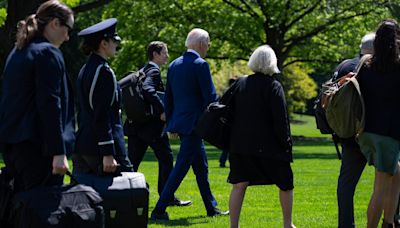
189	90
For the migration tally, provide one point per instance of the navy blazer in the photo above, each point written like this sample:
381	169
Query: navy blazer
152	87
99	96
189	90
36	103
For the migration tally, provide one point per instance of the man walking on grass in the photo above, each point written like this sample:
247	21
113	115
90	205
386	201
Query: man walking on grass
189	91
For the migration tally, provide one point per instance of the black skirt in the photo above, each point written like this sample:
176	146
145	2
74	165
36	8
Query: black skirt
260	171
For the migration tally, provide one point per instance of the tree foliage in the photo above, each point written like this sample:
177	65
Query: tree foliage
309	36
316	33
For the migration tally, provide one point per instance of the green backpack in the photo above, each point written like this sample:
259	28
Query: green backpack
344	104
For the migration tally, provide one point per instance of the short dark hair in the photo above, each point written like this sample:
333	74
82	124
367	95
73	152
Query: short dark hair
155	46
89	46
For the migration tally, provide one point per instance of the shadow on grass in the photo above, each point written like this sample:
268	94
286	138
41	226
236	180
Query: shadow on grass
214	153
188	221
315	156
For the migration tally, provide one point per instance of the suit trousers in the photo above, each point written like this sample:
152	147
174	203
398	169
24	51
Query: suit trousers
223	157
353	163
191	153
29	167
137	148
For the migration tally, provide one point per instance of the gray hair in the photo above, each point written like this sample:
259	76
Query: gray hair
195	36
367	44
263	60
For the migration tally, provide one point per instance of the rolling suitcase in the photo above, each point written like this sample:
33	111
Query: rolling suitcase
126	201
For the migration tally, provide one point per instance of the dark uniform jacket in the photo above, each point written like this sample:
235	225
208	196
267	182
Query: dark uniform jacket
36	103
100	130
153	87
260	119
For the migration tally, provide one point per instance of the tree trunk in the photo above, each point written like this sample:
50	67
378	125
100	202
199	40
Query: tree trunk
20	9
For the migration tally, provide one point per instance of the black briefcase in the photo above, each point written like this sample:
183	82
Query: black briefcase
75	206
126	201
214	126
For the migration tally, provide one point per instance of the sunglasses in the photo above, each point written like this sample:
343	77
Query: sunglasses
63	23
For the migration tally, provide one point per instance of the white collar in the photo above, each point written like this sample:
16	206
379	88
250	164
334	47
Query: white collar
154	64
193	51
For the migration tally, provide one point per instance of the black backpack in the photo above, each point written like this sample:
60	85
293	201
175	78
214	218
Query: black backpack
320	116
137	109
322	123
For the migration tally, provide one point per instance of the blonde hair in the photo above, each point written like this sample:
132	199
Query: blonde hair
263	60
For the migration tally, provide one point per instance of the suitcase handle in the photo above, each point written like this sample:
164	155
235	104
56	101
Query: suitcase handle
68	173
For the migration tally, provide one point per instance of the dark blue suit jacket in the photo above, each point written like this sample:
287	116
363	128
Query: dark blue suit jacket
189	90
36	104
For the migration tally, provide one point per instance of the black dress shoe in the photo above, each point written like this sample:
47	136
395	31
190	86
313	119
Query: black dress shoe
217	212
155	215
180	203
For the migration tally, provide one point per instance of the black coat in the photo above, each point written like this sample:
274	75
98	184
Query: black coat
36	102
261	124
152	87
381	97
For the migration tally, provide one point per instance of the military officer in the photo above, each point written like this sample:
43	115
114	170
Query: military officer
100	146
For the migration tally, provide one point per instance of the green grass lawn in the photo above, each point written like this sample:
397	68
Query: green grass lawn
315	167
304	125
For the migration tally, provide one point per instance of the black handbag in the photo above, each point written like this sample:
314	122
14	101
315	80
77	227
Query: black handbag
214	126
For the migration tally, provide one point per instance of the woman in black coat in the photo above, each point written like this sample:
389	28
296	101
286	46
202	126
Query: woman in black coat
36	108
380	141
261	145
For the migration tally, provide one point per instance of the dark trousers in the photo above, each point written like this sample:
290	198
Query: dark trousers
223	157
353	163
162	149
29	167
191	153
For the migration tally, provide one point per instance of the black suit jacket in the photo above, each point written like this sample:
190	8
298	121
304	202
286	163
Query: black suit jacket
260	119
151	86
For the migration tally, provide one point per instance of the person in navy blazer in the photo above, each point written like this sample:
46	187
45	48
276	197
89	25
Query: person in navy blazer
143	135
189	90
36	107
100	145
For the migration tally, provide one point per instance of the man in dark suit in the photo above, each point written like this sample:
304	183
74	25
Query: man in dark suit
189	90
141	136
353	161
